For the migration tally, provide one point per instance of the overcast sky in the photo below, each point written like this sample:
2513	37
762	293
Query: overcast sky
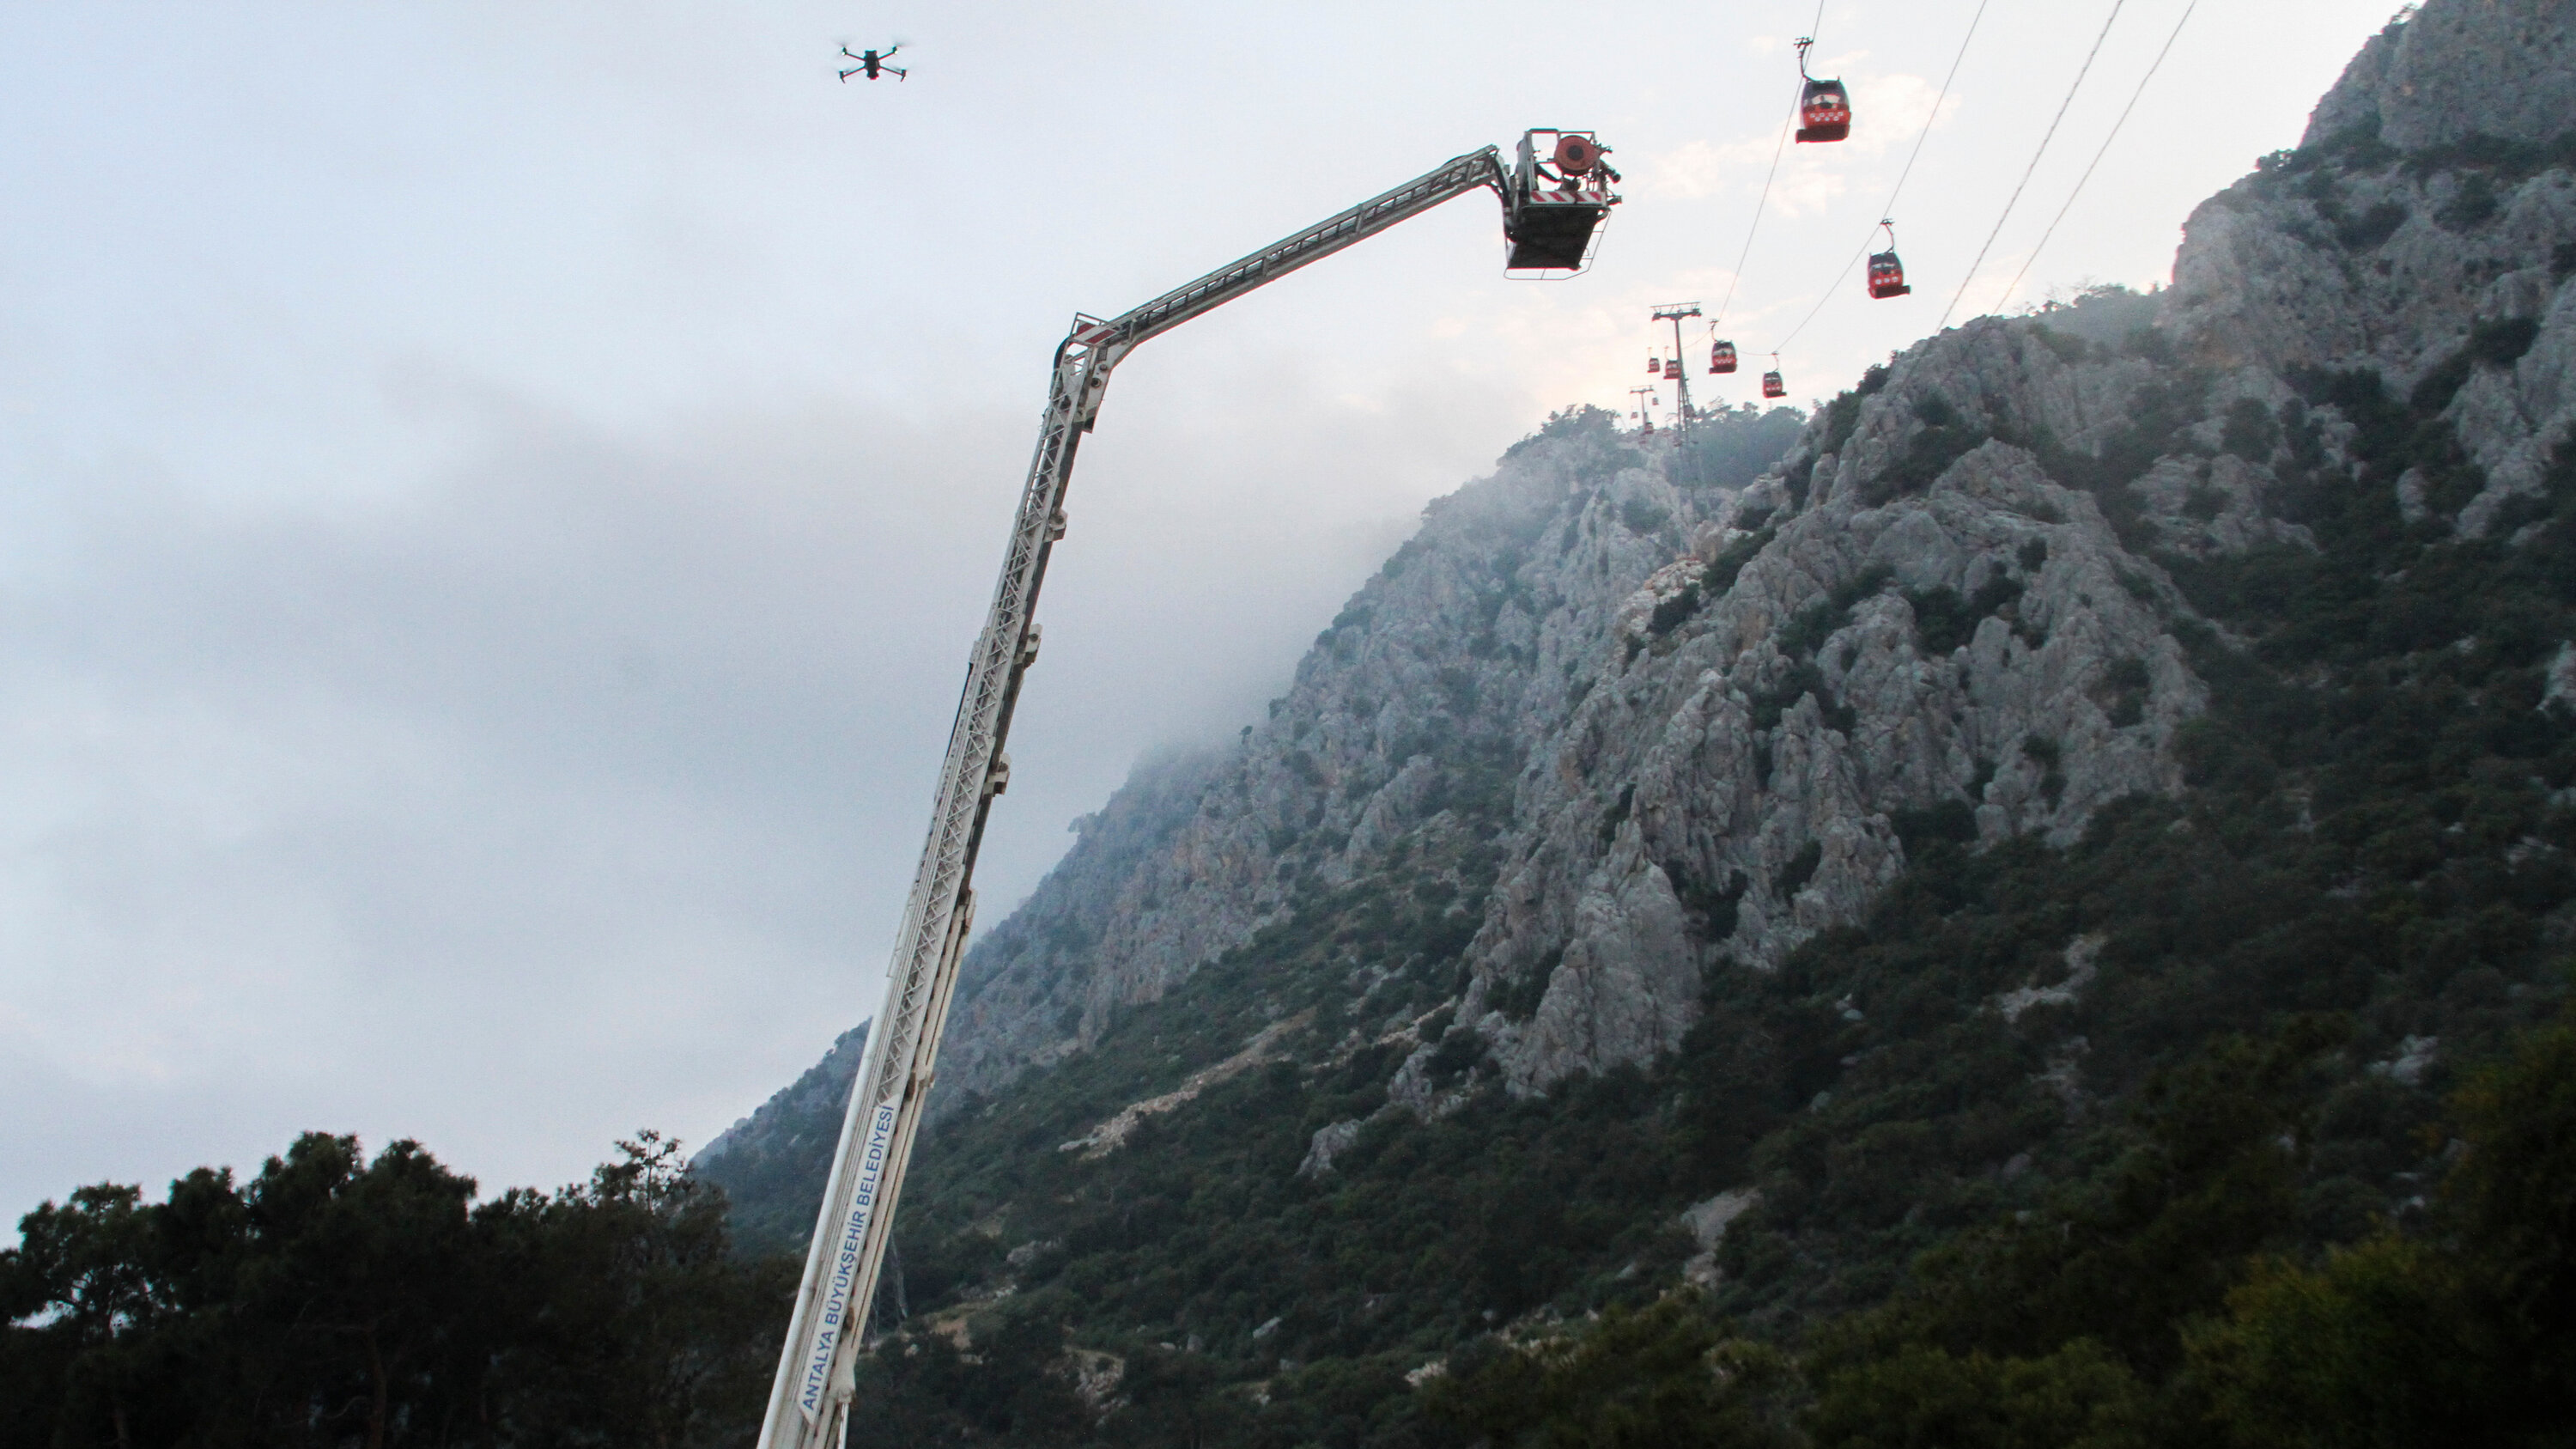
494	498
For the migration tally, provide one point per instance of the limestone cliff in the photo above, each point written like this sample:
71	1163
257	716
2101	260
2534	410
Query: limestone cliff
1473	646
1714	705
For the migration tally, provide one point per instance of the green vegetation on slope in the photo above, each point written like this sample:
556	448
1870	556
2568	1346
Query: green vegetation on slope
2212	1196
2145	1309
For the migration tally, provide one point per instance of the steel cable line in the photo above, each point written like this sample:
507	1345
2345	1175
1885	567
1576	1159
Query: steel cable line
1737	276
2033	258
1890	208
2044	139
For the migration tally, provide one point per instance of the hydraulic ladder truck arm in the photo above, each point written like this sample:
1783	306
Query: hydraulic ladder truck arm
1551	223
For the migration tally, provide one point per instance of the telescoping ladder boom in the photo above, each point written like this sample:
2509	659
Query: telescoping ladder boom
1550	225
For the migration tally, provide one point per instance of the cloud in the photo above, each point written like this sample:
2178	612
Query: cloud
1898	106
1706	168
514	785
587	767
1809	187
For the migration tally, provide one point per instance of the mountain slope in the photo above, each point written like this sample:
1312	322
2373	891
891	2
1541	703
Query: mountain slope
1756	882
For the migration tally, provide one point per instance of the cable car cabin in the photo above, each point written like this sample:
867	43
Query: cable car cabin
1673	368
1552	217
1772	386
1721	357
1654	367
1824	111
1886	276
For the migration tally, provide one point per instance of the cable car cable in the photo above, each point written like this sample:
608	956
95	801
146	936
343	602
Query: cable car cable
2106	148
1916	154
1765	199
2081	71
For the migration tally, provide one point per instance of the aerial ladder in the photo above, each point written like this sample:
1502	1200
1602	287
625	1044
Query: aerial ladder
1555	196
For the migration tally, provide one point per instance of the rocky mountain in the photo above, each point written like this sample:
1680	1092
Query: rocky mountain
1757	862
1412	714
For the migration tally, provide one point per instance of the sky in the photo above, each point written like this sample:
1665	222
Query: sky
494	498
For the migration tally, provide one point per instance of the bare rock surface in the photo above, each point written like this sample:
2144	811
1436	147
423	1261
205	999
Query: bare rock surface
2503	68
1470	643
1732	787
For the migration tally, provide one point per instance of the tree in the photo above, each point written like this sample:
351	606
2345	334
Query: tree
2374	1348
632	1322
1664	1377
360	1304
2466	1335
2079	1397
354	1297
80	1269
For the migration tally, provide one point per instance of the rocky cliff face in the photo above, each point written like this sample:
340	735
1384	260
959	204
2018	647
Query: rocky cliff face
1984	651
1694	721
1716	710
2424	233
1476	646
2488	70
1665	723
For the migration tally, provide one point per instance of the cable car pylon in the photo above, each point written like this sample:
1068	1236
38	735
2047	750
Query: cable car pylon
1674	312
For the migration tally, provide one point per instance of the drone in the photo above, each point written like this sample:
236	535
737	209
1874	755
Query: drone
873	62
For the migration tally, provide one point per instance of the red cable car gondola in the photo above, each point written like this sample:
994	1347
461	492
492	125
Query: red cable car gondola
1672	367
1654	367
1721	357
1772	386
1824	107
1886	273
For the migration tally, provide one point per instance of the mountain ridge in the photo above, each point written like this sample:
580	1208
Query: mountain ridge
1803	867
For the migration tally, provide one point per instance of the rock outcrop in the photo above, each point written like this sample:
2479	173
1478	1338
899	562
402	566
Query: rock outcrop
2423	232
1734	787
2450	72
1470	647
